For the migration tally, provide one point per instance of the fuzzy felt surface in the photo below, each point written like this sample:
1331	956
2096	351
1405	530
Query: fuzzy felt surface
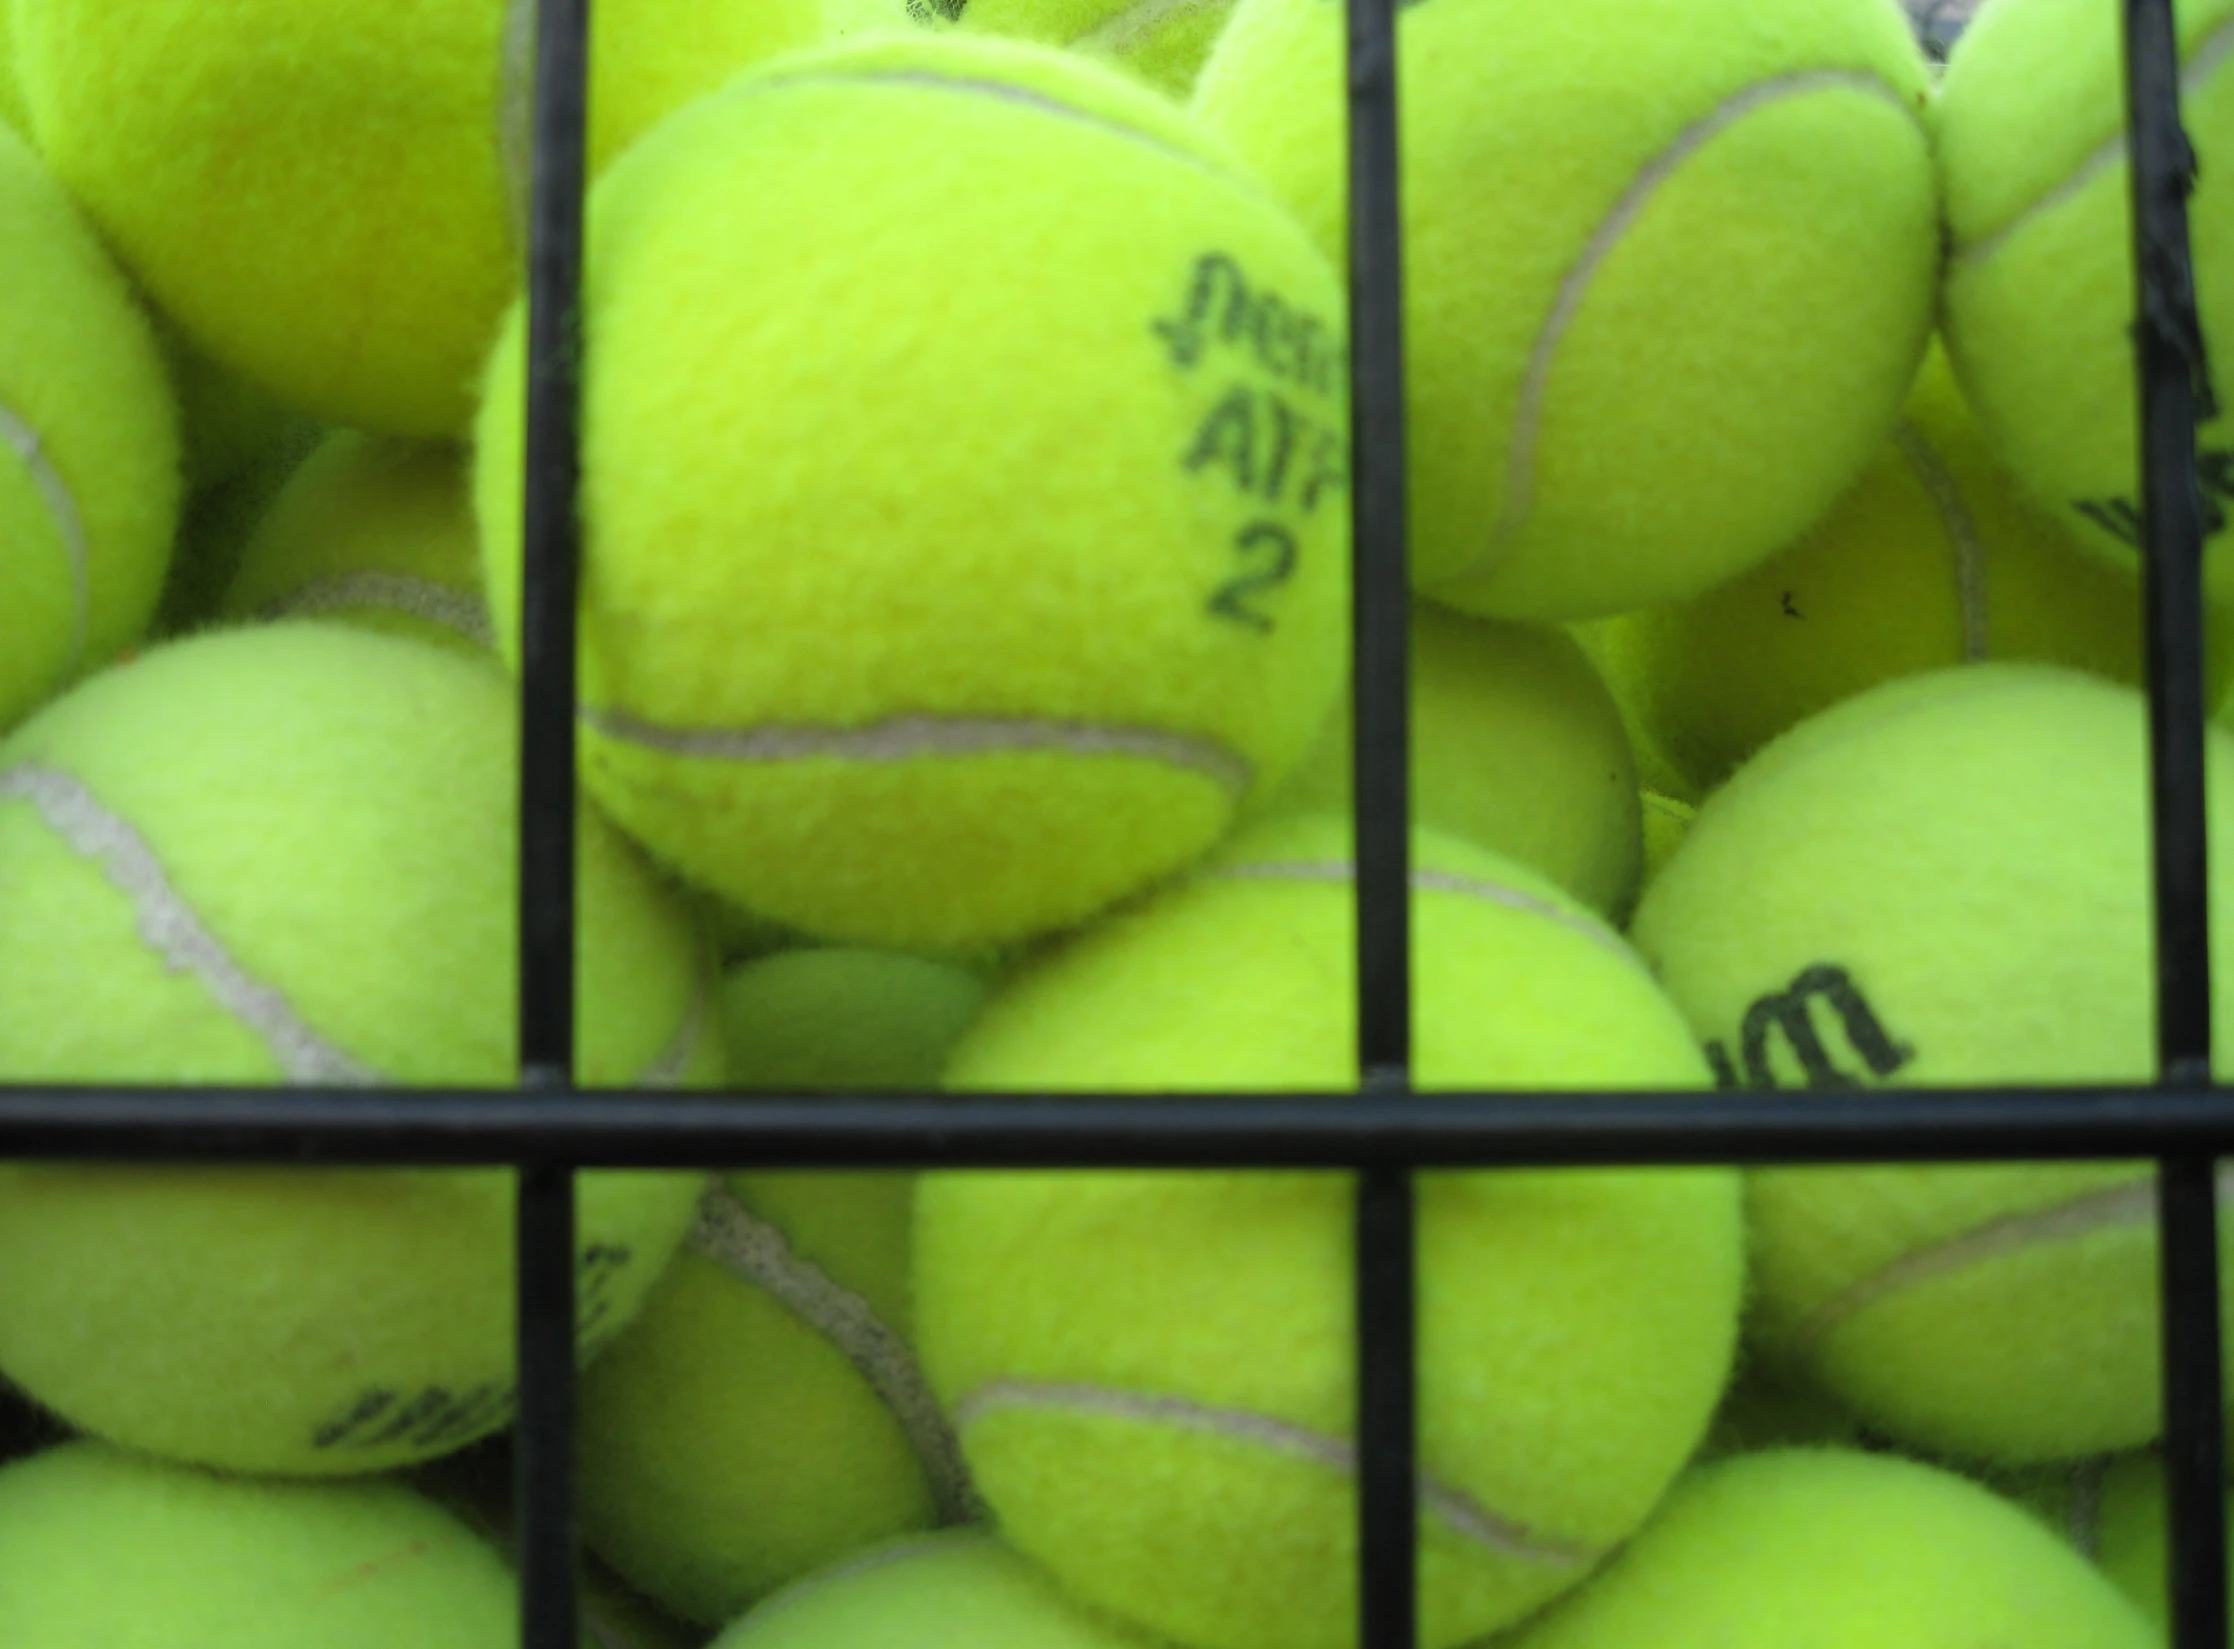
845	1019
1665	284
282	855
102	1547
1943	880
2039	292
89	445
322	196
1835	1549
945	607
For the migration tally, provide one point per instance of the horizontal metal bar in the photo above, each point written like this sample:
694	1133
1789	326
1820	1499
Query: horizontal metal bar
467	1127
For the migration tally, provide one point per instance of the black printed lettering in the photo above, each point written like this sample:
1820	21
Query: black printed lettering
1271	553
1229	437
1789	1016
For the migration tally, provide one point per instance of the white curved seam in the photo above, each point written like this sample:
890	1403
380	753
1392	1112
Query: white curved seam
1520	460
2082	1520
666	1071
1962	538
909	738
1124	29
2082	1216
1427	881
515	113
29	446
2110	152
1666	806
748	1247
1456	1510
169	926
421	598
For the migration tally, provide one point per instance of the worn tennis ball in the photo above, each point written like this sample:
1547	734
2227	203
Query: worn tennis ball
1944	880
2039	293
326	197
1165	42
370	531
1153	1374
965	1584
214	1562
765	1415
1933	557
284	855
1836	1549
1666	281
1081	625
89	445
1516	747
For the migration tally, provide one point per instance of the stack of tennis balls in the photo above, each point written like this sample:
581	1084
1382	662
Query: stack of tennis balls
282	856
1667	278
1151	1372
1945	880
936	694
89	445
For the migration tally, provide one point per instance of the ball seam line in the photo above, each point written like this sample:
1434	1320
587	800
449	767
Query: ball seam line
1455	1509
1574	287
908	738
62	506
169	926
2083	1519
2084	1215
1962	537
667	1069
2207	56
1425	880
756	1252
420	598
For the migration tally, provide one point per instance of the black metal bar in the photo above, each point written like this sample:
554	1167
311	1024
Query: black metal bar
543	1445
663	1130
2173	372
553	548
1386	1398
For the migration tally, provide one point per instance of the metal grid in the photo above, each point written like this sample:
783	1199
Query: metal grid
547	1131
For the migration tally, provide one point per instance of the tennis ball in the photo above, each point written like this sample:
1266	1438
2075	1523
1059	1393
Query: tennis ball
842	1019
1666	279
1933	557
89	446
1165	42
1944	880
1152	1373
374	532
1667	820
1835	1549
211	1562
2039	291
964	1584
1081	627
285	855
325	196
1516	747
2114	1511
765	1415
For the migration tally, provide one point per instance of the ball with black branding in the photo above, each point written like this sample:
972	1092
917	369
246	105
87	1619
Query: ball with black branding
1944	881
964	491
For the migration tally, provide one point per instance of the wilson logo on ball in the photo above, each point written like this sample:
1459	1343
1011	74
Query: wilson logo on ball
1789	1017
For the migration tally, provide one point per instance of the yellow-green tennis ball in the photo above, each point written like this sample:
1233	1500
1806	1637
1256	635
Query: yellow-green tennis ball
98	1546
1152	1373
1014	637
1944	880
766	1415
1516	747
841	1019
89	445
1165	42
1932	558
370	531
326	196
280	856
1667	820
1667	276
2113	1510
1609	643
1835	1549
2039	292
962	1587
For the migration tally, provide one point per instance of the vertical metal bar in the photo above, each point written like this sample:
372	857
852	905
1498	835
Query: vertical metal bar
2175	393
545	1249
1385	1314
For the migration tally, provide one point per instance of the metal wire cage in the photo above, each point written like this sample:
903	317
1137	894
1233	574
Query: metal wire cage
546	1131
